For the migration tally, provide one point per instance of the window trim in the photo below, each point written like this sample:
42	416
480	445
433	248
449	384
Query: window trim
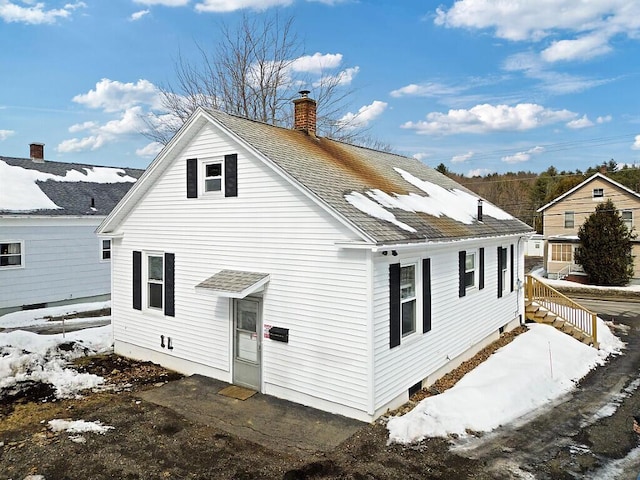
473	285
554	246
598	193
569	219
221	177
147	283
22	255
413	299
104	250
628	223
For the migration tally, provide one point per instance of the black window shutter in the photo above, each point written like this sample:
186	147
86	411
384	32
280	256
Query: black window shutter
231	175
169	285
394	305
426	295
192	178
462	258
137	280
500	272
512	271
481	268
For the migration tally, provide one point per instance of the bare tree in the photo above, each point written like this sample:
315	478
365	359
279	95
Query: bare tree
251	72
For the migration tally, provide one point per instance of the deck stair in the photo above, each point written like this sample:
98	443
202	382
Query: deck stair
546	305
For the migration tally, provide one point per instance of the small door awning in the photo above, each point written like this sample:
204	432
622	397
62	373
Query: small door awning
235	283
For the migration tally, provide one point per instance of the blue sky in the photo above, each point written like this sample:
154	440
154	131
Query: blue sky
479	86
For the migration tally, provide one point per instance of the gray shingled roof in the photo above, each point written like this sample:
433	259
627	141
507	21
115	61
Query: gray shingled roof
330	170
234	283
74	198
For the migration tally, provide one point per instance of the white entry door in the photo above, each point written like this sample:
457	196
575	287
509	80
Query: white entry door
247	344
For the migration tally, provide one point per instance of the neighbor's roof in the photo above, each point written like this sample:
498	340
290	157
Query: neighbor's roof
589	180
391	198
61	189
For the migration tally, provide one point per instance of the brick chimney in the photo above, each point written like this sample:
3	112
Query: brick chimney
36	151
305	113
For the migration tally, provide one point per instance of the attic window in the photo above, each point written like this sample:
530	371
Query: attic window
598	192
213	177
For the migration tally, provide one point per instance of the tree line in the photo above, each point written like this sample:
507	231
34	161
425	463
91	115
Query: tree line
523	193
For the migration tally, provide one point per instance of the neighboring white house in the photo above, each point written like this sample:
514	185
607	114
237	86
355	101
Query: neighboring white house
49	252
535	246
327	274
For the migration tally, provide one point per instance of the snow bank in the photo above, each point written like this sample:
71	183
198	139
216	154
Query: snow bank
78	426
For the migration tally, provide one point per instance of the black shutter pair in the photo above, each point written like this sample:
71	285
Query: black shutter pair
230	176
462	271
395	307
169	283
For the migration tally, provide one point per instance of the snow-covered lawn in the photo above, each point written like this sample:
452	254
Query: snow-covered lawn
26	356
539	366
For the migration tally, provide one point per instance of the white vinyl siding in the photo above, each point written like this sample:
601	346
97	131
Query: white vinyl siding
316	290
59	262
456	325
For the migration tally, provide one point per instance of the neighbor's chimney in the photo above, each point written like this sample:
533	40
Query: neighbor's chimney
603	169
37	152
305	113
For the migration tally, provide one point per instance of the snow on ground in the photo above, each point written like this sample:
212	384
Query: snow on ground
540	365
540	273
28	318
78	426
26	356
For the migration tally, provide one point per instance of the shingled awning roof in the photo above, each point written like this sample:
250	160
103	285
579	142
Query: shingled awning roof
235	283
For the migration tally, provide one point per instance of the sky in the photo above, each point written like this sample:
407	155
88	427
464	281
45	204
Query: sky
478	86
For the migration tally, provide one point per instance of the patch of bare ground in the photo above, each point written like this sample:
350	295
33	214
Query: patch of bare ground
152	442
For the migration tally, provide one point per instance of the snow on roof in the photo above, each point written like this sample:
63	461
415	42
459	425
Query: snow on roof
452	203
20	191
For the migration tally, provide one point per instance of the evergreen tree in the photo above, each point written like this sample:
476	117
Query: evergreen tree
605	250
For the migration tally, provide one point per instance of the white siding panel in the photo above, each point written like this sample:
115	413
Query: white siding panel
315	290
457	323
60	263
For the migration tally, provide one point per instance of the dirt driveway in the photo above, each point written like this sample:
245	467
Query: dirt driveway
577	438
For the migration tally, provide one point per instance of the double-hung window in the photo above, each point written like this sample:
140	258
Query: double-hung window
155	281
11	255
470	270
598	192
627	218
105	246
408	299
569	219
213	177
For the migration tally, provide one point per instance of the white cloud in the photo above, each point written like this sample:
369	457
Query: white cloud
364	116
520	20
421	155
130	122
79	127
81	144
487	118
149	150
115	96
636	143
582	122
345	77
138	15
426	90
233	5
605	119
164	3
4	134
582	48
478	172
35	14
462	158
316	63
522	156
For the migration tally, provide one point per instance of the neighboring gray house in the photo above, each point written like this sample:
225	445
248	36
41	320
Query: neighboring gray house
331	275
49	252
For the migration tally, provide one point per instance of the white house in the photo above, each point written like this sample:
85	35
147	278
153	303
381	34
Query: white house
327	274
49	252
